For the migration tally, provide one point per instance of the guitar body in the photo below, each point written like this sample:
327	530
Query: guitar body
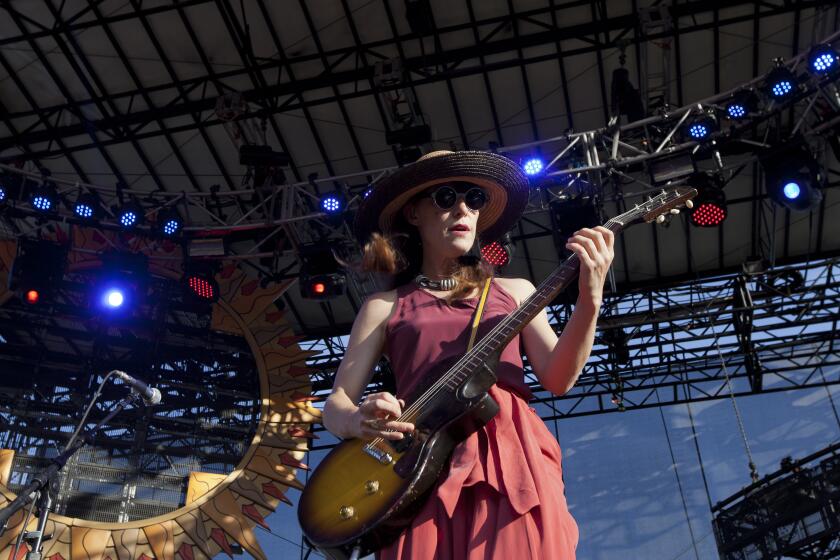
365	497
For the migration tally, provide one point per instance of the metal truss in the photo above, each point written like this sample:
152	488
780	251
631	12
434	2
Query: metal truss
53	357
791	513
686	343
610	152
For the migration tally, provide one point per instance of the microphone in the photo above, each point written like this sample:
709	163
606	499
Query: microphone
150	395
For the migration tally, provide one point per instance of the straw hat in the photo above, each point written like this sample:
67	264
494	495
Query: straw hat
503	180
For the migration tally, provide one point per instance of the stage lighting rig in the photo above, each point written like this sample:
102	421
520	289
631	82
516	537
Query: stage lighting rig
10	184
533	166
130	215
120	284
321	276
742	105
87	206
37	270
792	177
823	59
710	203
169	221
780	82
700	127
200	283
498	253
44	197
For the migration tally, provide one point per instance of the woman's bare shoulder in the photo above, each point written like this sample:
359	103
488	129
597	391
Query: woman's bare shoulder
378	306
519	288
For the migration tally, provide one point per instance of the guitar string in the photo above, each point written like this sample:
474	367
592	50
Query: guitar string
435	388
537	294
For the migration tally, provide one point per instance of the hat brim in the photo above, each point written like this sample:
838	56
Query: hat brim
504	181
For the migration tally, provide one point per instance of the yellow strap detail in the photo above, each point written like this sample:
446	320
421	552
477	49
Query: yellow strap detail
478	313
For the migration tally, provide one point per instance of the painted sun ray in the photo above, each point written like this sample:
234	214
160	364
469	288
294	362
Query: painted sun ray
227	513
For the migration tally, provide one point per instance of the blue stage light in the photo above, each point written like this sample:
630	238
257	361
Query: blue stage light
168	221
113	298
822	59
331	204
367	192
782	88
83	210
823	62
780	82
44	197
128	218
698	131
533	166
41	202
736	111
87	205
792	190
171	227
2	193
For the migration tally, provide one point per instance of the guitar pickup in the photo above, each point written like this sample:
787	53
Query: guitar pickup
403	444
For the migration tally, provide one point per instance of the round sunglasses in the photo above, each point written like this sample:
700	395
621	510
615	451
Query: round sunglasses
445	196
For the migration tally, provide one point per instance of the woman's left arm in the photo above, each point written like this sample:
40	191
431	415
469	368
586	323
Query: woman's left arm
557	362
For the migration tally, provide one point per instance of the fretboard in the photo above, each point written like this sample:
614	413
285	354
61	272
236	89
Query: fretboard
501	335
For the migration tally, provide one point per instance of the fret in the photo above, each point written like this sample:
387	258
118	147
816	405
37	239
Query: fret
510	326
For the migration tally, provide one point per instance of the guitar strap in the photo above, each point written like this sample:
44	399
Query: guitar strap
479	311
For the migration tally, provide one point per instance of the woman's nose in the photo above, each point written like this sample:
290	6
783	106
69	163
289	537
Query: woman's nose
461	208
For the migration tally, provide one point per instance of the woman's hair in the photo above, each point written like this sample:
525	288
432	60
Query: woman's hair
400	256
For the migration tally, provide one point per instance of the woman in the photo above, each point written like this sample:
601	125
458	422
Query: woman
502	495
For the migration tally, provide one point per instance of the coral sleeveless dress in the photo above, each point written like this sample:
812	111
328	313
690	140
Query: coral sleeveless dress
502	495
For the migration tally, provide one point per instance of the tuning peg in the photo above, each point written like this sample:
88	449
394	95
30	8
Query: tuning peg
689	204
660	219
675	211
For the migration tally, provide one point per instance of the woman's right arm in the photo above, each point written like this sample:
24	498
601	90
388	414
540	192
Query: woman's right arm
374	417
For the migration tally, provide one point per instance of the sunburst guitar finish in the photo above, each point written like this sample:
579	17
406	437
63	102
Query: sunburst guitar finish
365	493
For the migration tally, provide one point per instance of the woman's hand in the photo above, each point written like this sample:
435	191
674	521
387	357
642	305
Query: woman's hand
594	248
376	417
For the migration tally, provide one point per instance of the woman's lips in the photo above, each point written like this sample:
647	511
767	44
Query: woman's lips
459	230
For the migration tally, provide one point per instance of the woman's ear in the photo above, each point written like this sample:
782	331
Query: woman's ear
409	212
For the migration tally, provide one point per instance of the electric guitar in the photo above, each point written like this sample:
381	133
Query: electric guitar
364	493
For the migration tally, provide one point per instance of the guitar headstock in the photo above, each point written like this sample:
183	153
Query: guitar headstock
658	207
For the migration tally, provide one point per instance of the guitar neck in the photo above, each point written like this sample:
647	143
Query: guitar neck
510	326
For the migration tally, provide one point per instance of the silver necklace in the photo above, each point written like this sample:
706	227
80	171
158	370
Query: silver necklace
445	284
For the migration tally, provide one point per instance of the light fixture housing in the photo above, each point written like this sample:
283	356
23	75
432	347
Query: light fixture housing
44	197
130	215
823	59
793	178
780	83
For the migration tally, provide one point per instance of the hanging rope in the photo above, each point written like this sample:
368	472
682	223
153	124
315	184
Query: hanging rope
679	482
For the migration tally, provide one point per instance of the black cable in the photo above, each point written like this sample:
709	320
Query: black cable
679	482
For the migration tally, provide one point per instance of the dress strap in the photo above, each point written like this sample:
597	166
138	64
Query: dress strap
478	312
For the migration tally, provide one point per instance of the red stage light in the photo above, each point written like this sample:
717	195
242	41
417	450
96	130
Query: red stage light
202	287
319	288
32	297
495	254
708	214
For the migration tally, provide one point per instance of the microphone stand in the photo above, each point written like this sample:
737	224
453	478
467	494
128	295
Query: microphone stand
40	485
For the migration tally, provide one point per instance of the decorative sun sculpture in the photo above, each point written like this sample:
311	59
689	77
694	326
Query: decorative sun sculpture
220	509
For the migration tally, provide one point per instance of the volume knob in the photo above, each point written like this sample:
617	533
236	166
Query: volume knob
346	512
372	486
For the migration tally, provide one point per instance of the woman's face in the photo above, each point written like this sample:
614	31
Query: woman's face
450	232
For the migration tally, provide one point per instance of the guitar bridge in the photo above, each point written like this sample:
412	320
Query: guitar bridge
382	456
